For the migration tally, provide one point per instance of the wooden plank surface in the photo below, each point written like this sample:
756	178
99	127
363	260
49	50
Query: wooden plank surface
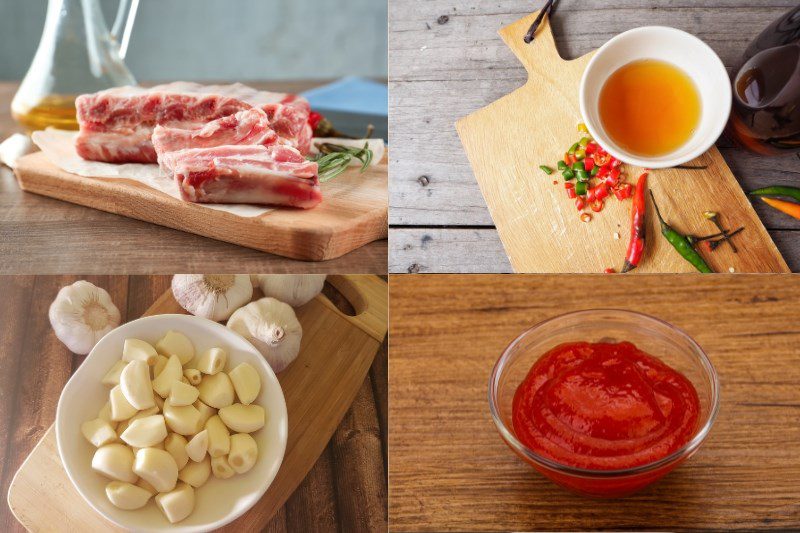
450	470
443	71
28	398
46	236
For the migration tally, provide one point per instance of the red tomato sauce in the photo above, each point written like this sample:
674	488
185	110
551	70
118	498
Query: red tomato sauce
604	406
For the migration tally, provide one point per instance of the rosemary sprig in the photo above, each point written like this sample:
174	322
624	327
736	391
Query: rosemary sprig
333	159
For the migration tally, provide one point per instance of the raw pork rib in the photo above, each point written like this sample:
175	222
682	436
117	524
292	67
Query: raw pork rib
245	127
248	174
116	125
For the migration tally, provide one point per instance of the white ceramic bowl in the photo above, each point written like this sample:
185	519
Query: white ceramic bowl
219	501
674	46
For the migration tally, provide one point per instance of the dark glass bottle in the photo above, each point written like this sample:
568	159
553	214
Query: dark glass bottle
766	90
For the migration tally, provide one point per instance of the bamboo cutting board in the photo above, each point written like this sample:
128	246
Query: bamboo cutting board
353	212
540	227
335	355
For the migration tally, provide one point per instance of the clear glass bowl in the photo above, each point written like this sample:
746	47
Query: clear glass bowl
657	338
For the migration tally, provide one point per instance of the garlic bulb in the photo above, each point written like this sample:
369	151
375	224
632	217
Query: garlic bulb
273	329
212	296
294	289
81	315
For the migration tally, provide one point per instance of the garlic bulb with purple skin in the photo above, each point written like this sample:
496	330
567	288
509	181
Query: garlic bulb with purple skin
273	329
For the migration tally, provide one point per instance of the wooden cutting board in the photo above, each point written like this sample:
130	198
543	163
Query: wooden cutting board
539	226
354	210
335	355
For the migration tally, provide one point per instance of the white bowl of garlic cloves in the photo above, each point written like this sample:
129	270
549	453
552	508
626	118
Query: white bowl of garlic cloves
172	423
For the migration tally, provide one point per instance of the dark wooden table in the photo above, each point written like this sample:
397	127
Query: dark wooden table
46	236
345	491
448	61
450	469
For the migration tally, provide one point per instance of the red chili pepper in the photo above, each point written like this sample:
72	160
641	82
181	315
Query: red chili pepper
638	226
588	163
597	205
571	193
586	217
615	172
601	159
609	271
580	203
600	191
590	195
314	119
591	148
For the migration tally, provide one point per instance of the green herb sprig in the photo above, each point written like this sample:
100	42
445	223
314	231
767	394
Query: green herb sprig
333	159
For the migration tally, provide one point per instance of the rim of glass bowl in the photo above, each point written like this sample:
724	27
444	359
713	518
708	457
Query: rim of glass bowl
686	449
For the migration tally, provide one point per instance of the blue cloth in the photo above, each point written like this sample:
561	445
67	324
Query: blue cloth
351	95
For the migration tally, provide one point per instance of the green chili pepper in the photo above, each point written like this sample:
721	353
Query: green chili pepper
584	141
580	188
578	165
562	166
572	149
547	170
595	170
582	175
568	174
680	242
778	190
580	153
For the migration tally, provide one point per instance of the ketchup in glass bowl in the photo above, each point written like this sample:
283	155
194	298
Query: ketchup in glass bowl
604	402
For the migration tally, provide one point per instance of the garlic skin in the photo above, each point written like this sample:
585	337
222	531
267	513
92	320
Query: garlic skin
81	315
215	297
293	289
273	329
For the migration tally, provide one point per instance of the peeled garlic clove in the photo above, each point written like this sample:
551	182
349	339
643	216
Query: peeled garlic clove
99	432
121	408
193	376
183	394
145	432
243	454
159	365
142	484
173	371
219	438
126	495
112	376
206	412
198	446
105	412
196	473
138	350
183	419
157	467
175	444
81	315
115	461
273	329
243	418
217	390
246	383
221	468
175	343
212	361
212	296
177	504
293	289
135	384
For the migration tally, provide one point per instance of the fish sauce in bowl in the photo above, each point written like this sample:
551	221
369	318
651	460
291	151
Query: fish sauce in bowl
649	107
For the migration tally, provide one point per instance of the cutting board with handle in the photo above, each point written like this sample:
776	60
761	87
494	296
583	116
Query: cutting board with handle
539	226
336	353
354	210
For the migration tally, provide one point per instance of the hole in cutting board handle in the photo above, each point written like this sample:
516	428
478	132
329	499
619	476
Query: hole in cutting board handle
344	295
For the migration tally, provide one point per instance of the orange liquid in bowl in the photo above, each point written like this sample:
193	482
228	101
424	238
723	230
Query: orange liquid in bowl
649	107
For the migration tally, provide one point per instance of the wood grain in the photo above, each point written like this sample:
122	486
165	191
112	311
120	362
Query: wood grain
134	295
450	470
46	236
440	72
539	225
